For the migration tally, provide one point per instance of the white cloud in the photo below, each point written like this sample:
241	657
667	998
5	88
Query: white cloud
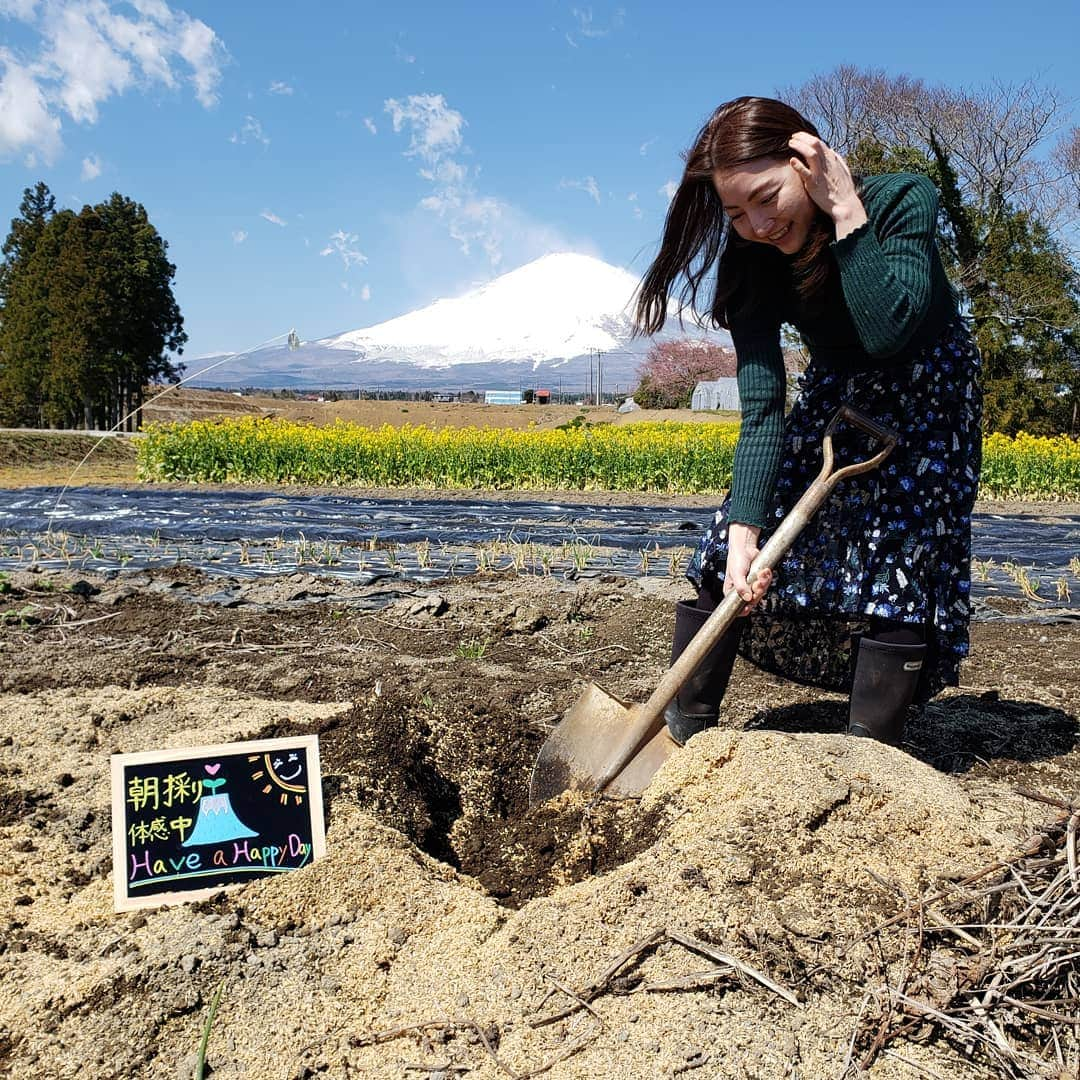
18	9
252	131
91	167
365	293
90	67
587	28
435	128
344	244
587	184
239	236
447	173
204	51
280	88
668	190
88	51
26	123
644	148
268	215
370	125
403	56
480	224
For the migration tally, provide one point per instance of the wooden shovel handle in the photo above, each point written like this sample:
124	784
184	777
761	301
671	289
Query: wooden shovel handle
649	717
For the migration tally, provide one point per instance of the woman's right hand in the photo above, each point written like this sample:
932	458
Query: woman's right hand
742	550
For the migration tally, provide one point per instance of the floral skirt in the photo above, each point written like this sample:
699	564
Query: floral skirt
893	543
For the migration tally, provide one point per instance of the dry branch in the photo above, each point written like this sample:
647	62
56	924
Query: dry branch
1012	990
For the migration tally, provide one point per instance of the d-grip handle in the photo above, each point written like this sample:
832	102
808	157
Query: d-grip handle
850	415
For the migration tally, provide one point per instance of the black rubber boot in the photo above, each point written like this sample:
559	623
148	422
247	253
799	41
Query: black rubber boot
886	678
697	704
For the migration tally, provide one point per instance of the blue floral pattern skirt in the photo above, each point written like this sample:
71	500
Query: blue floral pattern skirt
893	543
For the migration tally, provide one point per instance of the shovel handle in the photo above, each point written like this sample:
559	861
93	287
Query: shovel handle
650	716
850	415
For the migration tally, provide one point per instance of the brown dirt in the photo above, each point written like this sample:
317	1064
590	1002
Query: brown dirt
441	896
196	404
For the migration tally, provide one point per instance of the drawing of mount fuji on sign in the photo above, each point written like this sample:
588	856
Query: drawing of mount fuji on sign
217	821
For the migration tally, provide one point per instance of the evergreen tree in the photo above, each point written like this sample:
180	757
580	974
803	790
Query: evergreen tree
79	305
24	321
89	315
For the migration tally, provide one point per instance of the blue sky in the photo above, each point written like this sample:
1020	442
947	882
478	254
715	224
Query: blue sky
329	165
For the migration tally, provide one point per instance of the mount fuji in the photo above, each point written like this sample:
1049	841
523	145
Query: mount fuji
537	326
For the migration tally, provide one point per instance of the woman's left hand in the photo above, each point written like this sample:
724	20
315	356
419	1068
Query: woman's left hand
828	181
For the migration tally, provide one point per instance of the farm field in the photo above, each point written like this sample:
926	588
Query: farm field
449	931
442	902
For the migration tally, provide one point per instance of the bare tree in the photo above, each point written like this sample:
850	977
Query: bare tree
992	135
1067	159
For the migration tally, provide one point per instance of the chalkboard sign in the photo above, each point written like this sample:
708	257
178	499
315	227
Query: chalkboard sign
187	823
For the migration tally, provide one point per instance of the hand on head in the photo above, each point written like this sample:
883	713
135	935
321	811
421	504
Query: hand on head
825	175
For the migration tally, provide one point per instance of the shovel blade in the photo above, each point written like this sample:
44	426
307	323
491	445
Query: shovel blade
592	735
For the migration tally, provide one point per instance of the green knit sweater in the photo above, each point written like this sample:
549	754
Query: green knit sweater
890	298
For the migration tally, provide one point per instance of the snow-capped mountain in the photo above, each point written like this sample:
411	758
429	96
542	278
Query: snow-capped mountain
553	309
537	325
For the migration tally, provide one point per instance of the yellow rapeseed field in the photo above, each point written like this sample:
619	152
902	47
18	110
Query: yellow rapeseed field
675	458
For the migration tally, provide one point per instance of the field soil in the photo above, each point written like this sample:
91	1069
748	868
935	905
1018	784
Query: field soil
448	925
450	931
185	404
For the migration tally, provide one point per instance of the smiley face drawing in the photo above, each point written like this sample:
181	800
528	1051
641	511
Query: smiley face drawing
284	773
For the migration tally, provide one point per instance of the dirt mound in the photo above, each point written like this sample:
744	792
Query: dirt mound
184	405
765	847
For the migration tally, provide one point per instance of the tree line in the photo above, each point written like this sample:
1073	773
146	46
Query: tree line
87	314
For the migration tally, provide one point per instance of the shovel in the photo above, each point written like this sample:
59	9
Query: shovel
606	745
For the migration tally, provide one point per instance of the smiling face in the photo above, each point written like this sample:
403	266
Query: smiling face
767	203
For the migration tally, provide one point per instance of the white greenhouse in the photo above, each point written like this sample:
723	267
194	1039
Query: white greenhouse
716	394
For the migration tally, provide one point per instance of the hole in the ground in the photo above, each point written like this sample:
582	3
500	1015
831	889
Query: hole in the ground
455	779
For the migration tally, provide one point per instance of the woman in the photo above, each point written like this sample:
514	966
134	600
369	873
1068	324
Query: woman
873	596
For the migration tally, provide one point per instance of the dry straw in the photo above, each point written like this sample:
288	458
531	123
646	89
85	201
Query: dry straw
993	963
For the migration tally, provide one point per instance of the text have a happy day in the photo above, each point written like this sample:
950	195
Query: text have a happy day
268	858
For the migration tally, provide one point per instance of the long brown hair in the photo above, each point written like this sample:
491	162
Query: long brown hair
698	238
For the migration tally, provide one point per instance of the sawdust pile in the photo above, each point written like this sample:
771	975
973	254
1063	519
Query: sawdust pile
778	849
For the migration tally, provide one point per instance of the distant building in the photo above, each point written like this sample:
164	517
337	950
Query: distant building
503	397
543	397
716	394
440	396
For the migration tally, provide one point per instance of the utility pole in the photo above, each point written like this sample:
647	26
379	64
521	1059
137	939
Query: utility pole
599	379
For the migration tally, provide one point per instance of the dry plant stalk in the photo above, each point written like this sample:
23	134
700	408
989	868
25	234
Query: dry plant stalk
1006	989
